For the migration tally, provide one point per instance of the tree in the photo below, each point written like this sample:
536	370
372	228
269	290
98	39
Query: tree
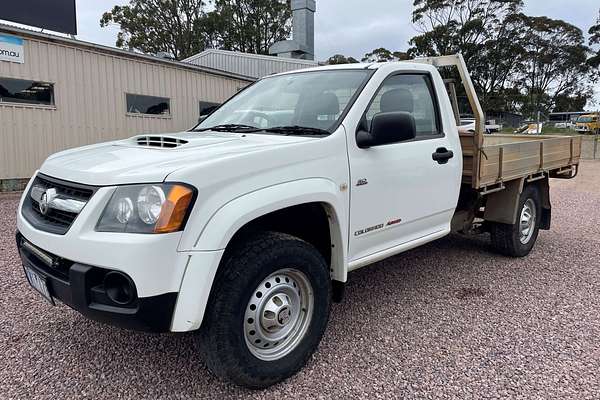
251	26
483	31
447	26
384	55
175	27
594	42
553	67
565	103
183	28
341	59
517	63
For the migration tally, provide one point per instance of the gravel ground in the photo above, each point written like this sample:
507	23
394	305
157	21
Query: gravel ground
448	320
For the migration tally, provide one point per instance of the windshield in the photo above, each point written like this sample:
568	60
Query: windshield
585	119
314	100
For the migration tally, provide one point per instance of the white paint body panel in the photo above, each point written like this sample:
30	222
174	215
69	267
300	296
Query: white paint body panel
242	177
403	180
123	162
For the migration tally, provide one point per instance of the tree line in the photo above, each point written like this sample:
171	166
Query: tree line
183	28
519	63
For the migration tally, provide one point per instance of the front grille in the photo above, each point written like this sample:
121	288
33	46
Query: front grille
56	217
54	220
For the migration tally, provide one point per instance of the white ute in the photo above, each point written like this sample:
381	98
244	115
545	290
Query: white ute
245	228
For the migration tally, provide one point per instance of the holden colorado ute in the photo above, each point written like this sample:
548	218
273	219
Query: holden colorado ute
246	227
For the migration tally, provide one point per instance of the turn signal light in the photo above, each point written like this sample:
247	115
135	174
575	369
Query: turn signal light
174	210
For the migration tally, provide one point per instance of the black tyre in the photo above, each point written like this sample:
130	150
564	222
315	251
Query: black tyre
517	240
268	310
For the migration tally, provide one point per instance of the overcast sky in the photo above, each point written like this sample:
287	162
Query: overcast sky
354	27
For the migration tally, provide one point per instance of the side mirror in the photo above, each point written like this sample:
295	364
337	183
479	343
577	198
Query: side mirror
388	128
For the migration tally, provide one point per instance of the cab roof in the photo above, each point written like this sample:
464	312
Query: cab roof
357	66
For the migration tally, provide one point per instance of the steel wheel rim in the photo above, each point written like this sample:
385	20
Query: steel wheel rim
527	221
278	314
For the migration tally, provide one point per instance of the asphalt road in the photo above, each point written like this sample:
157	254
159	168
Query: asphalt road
449	320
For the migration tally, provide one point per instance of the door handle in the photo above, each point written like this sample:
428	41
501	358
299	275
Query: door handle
442	155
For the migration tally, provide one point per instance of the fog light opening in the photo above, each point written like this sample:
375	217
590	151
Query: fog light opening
119	288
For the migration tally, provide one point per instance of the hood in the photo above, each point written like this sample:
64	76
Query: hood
152	157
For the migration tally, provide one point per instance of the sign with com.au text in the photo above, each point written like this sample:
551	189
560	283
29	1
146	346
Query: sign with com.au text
12	49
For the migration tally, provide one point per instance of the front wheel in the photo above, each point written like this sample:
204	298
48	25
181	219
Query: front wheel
517	240
268	310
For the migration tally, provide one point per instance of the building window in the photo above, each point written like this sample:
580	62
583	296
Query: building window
139	104
206	107
26	92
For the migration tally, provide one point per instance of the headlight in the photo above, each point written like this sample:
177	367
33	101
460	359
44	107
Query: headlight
159	208
149	204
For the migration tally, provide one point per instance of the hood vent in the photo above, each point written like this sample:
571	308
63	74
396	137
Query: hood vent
160	141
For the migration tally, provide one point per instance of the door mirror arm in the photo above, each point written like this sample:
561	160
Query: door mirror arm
364	140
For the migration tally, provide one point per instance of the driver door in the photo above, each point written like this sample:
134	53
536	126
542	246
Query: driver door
399	193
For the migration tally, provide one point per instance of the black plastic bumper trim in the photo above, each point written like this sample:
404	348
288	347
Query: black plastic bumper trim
148	314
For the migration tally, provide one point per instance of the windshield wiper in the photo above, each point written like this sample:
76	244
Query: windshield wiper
230	128
298	130
285	130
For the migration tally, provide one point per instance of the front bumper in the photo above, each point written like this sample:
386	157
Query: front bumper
81	287
173	284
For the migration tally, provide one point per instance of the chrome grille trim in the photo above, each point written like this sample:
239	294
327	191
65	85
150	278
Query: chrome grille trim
64	201
58	202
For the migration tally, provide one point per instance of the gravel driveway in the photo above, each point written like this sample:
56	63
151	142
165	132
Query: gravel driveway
448	320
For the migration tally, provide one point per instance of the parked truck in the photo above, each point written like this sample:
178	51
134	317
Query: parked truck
588	124
246	227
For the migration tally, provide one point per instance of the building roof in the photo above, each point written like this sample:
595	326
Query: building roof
252	56
31	34
254	65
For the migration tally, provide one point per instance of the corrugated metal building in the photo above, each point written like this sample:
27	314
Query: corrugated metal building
58	93
254	65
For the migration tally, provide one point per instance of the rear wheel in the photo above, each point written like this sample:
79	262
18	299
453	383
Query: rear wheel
517	240
268	310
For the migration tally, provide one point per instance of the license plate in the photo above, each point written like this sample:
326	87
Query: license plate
39	283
